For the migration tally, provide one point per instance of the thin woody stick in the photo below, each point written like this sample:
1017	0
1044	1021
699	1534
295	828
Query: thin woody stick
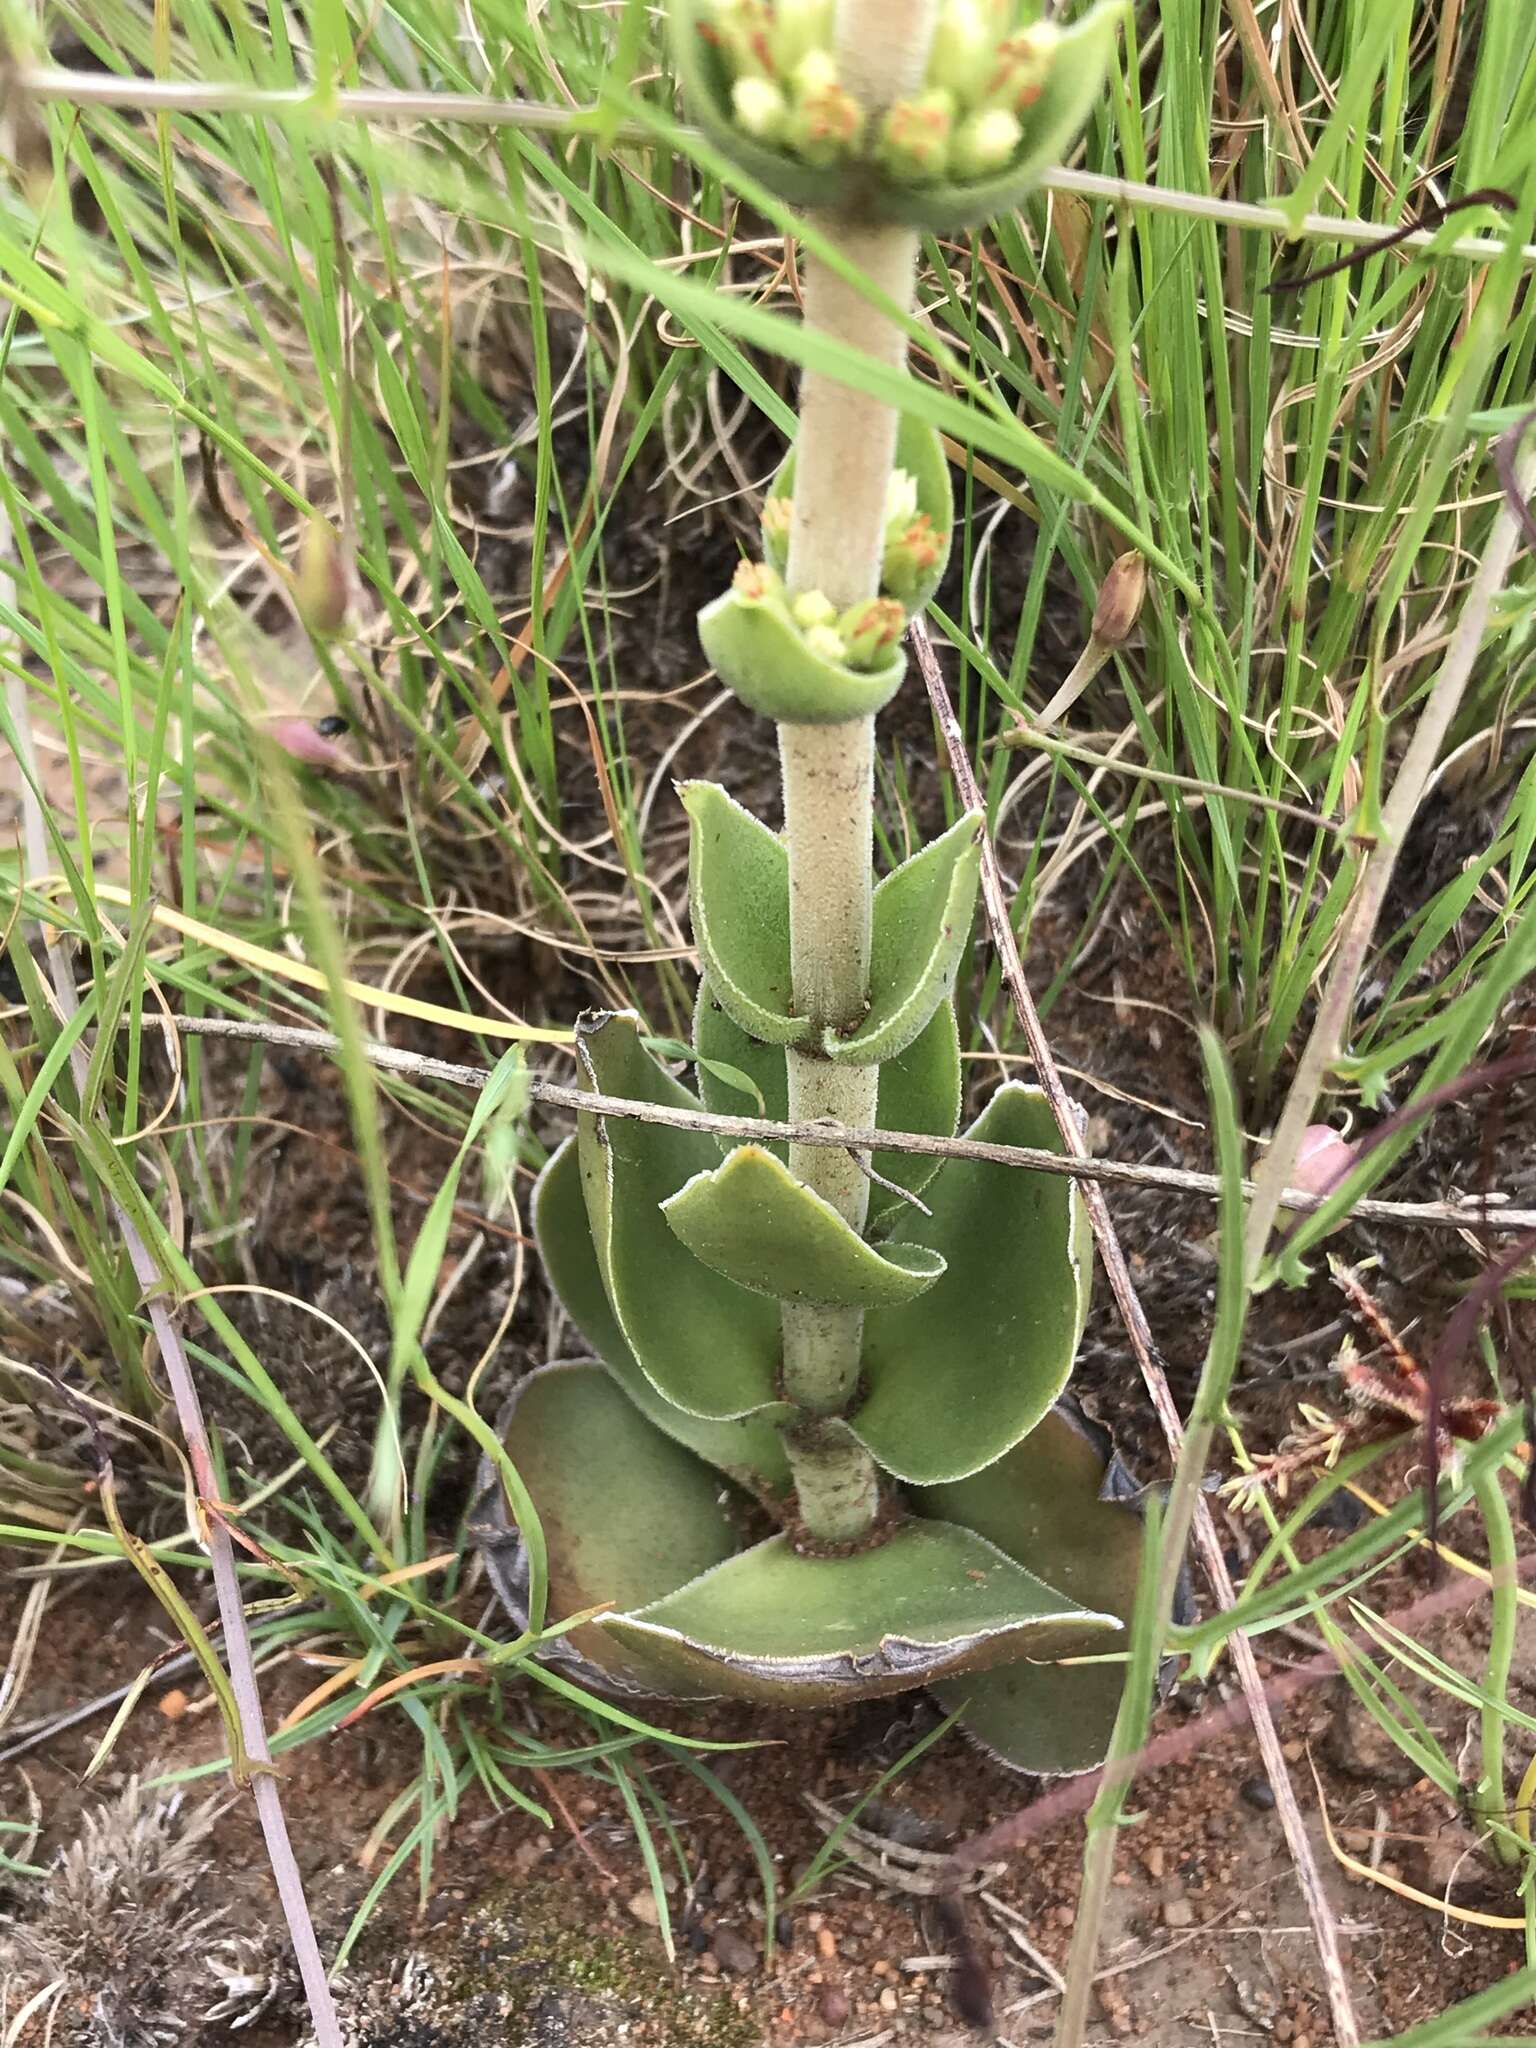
1486	1213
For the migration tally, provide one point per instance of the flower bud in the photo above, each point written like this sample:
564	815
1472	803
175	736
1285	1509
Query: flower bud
1024	62
756	583
825	123
1120	600
322	583
1323	1160
910	552
900	499
761	110
915	136
778	517
813	608
871	629
800	26
826	643
740	31
985	142
303	739
964	52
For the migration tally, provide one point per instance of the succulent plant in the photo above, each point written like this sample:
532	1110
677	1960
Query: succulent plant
818	1453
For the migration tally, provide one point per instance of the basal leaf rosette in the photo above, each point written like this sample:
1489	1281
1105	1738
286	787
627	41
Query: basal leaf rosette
1003	97
663	1581
1003	1569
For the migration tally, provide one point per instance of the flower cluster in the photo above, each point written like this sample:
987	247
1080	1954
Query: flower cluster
913	544
860	637
985	71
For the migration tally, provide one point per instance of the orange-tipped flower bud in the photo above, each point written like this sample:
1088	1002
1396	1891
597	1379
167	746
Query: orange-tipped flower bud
825	121
910	552
756	583
915	137
871	629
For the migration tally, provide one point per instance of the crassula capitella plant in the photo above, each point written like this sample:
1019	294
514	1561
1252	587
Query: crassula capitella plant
818	1455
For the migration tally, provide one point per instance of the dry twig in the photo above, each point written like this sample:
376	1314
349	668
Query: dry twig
1486	1212
1319	1911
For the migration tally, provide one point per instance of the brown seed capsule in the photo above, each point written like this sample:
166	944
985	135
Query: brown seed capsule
1120	599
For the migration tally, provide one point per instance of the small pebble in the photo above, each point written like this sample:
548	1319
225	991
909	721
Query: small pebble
888	2000
526	1854
643	1908
1178	1913
826	1943
736	1954
174	1704
833	2006
784	1930
1258	1793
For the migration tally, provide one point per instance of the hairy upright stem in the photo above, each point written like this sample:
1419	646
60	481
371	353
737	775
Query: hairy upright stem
844	456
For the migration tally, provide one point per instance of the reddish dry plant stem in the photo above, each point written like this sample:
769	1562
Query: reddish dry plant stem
994	895
1075	1795
221	1556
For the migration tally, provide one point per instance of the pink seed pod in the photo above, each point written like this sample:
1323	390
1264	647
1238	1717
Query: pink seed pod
1323	1161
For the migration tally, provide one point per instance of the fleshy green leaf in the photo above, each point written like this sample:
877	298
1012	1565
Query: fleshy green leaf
922	918
750	1450
738	898
919	1090
770	1624
707	1346
1042	1503
959	1376
920	452
753	1221
760	654
628	1515
719	1041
